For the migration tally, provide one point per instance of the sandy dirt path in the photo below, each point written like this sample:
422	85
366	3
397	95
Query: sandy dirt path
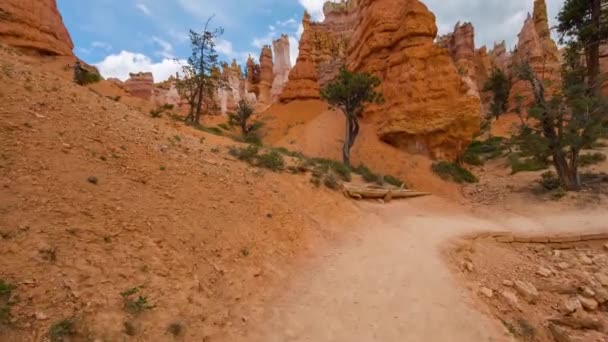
385	283
388	282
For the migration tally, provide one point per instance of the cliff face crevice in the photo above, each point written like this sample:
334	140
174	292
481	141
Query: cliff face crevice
34	27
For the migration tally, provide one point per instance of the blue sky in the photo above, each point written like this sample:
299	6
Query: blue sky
122	36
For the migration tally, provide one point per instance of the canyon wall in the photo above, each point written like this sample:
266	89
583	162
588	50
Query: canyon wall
34	27
427	109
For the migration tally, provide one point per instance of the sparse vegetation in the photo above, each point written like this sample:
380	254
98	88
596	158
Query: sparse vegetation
175	329
525	164
591	159
271	160
88	77
6	290
480	151
331	181
62	330
137	305
158	111
453	172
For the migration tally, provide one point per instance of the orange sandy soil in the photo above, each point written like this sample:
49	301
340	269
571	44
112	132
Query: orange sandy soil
311	128
202	234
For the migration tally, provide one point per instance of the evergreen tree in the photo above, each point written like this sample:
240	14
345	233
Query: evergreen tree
583	25
201	76
349	92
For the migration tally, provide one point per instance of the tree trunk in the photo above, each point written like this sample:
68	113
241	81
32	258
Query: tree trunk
568	174
347	142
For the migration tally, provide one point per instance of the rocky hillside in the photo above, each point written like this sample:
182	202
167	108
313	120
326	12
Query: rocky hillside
98	199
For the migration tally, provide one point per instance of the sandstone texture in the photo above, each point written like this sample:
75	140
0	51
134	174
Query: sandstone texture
266	75
34	26
302	84
427	109
140	85
230	96
474	66
282	66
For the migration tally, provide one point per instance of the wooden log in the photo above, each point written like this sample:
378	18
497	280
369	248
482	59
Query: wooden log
374	192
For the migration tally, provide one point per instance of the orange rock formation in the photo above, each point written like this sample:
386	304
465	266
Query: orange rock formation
473	65
140	85
266	75
302	82
427	109
536	48
282	66
34	26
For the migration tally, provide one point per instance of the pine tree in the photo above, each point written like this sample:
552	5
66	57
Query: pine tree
349	92
201	77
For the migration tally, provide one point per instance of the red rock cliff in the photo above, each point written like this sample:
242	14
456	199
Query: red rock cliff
34	26
427	109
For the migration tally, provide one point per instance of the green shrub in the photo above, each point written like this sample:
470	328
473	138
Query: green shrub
271	160
286	152
367	174
331	181
453	172
550	181
210	130
132	305
88	77
394	181
525	164
224	126
6	290
591	159
341	169
480	151
247	154
60	330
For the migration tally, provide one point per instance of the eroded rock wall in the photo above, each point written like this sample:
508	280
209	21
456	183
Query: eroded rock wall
427	109
303	83
34	26
266	76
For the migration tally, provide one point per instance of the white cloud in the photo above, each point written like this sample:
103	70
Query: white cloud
224	47
101	45
120	65
166	47
272	28
294	50
143	8
259	42
314	8
291	22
